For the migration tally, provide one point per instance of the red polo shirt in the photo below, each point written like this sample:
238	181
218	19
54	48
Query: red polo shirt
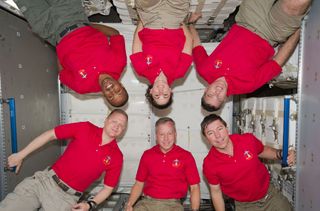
243	58
85	159
85	53
242	176
161	51
167	176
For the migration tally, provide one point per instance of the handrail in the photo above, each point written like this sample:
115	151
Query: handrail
13	126
286	116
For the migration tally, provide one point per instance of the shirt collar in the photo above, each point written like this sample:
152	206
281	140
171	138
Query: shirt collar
216	153
158	150
111	144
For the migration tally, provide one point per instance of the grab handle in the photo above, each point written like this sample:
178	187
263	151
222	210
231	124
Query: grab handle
286	117
13	126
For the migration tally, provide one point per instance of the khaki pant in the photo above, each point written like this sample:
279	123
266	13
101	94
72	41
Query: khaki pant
274	200
156	14
268	20
38	192
151	204
48	18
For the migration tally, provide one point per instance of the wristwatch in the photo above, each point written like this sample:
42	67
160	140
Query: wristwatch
93	205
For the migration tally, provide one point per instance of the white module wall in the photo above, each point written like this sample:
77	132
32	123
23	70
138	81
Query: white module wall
264	118
186	111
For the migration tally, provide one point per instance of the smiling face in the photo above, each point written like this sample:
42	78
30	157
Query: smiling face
160	92
115	124
113	91
217	135
166	136
216	93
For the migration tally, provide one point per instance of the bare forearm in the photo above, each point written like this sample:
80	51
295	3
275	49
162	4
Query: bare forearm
187	49
200	6
136	192
276	154
195	197
137	45
286	50
217	197
103	194
269	153
37	143
195	36
218	202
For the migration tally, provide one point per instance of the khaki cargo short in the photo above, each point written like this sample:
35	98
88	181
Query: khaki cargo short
273	200
151	204
38	191
267	19
156	14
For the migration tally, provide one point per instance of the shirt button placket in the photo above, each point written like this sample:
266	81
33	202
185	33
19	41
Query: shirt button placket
97	149
164	159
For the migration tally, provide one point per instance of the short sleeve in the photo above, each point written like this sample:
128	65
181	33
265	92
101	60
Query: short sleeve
67	131
185	61
147	69
200	58
259	147
192	170
112	175
117	45
209	172
142	172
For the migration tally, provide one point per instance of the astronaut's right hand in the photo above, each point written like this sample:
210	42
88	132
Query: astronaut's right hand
15	161
128	207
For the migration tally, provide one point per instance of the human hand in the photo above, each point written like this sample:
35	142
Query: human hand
194	17
291	159
128	208
15	160
186	31
82	206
